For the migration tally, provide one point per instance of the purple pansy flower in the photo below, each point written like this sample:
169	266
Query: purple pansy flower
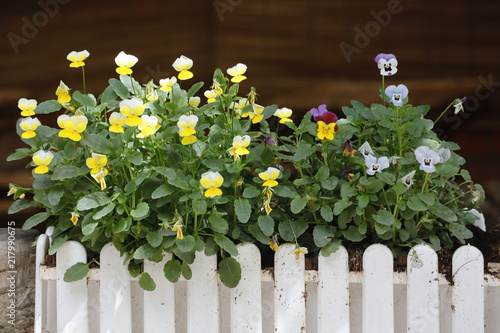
387	63
459	105
396	94
269	140
322	114
427	158
376	165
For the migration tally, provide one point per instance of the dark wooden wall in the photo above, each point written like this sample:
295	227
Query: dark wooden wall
293	49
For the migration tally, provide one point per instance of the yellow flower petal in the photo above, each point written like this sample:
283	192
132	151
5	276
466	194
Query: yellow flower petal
41	169
185	75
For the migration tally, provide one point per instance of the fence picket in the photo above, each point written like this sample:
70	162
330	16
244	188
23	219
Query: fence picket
72	299
159	305
51	293
203	296
333	292
468	291
378	290
289	291
42	246
115	293
422	290
246	309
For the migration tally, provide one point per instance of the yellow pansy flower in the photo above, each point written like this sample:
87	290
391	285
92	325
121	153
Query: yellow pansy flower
256	115
42	159
183	65
284	115
117	121
100	178
74	217
178	227
194	101
212	181
132	108
167	84
238	106
77	58
27	106
325	132
72	126
237	72
239	148
62	93
29	126
273	243
298	251
148	127
270	176
217	87
97	163
187	130
125	62
211	95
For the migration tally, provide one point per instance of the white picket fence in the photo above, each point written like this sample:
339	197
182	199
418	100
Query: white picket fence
288	299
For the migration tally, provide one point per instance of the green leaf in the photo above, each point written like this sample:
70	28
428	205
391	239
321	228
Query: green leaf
35	220
140	211
322	173
19	205
460	231
122	225
211	247
85	100
331	247
230	272
135	157
194	88
76	272
266	224
387	178
56	244
98	143
146	282
93	200
303	151
298	203
447	170
172	270
330	184
352	234
65	172
289	229
186	244
416	204
104	211
199	206
443	212
251	192
119	88
154	238
257	233
340	206
427	198
218	224
363	200
243	210
186	271
163	191
384	217
144	251
48	107
322	234
134	269
284	191
326	213
226	244
19	154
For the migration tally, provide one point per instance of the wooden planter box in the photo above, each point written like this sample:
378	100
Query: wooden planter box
286	299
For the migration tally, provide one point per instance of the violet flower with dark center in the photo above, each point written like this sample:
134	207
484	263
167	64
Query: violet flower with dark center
269	140
387	63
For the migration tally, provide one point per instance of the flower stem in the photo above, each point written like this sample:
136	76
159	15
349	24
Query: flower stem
442	114
383	89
